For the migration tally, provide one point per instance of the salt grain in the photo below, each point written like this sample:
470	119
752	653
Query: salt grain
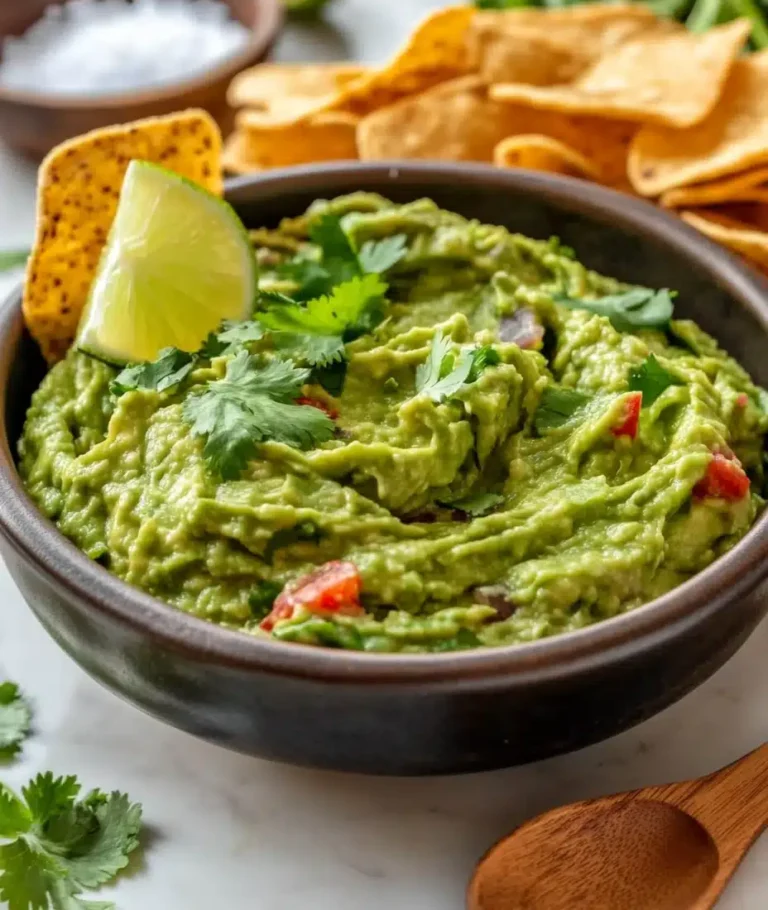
94	47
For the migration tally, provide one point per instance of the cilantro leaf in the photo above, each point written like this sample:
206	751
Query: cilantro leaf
170	368
476	505
556	407
378	256
62	845
637	308
441	376
312	279
651	379
341	311
331	378
262	597
253	403
314	350
236	334
339	256
15	717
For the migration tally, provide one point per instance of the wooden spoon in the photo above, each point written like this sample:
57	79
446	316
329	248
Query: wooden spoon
660	848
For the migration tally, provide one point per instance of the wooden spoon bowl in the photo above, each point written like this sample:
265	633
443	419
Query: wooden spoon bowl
662	848
34	122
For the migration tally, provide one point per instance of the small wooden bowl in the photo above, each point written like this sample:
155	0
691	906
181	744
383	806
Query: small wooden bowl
34	122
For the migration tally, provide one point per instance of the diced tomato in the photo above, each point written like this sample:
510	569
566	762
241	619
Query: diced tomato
724	479
332	588
317	403
631	418
742	400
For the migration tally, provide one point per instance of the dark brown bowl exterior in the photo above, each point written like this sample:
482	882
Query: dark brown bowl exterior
33	123
398	714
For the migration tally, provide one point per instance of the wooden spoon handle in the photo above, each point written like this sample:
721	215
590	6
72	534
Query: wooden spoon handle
732	804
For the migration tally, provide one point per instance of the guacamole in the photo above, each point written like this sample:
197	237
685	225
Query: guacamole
512	446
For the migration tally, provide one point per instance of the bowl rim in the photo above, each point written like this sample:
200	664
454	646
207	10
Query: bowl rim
269	19
736	573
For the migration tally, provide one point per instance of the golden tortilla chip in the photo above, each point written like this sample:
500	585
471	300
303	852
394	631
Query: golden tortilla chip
733	138
550	46
673	79
290	91
323	137
750	186
741	237
234	159
459	122
79	185
542	153
435	52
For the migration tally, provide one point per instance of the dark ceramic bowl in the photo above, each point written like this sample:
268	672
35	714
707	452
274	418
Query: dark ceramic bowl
409	714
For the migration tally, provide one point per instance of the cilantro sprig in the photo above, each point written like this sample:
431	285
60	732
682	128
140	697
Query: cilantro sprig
254	402
477	504
556	407
637	308
56	845
442	375
171	367
15	718
651	379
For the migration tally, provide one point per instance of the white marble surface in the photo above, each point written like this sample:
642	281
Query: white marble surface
226	831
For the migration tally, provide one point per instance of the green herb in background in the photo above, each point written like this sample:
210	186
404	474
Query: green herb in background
637	308
697	15
556	407
13	259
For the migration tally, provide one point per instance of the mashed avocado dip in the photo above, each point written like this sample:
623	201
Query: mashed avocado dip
494	446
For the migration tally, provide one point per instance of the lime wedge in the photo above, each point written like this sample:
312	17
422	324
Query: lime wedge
177	262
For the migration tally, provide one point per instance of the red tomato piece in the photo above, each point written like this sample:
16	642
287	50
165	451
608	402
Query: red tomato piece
321	405
332	588
724	479
742	400
628	424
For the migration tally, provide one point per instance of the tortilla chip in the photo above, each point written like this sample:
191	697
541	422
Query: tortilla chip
79	185
234	157
733	138
323	137
550	46
542	153
671	78
459	122
750	186
288	92
435	52
739	236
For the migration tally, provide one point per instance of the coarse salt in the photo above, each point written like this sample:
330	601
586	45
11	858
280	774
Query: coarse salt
96	47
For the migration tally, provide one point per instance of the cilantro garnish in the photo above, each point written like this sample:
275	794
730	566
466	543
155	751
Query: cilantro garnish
313	350
255	402
340	312
556	407
15	717
442	376
56	845
171	367
637	308
339	257
312	279
234	335
651	379
476	505
378	256
262	597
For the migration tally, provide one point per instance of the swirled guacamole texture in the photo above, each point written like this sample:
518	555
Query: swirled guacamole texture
539	495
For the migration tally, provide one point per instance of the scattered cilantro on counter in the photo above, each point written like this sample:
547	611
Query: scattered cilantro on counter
442	375
254	402
56	846
556	407
651	379
637	308
15	718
